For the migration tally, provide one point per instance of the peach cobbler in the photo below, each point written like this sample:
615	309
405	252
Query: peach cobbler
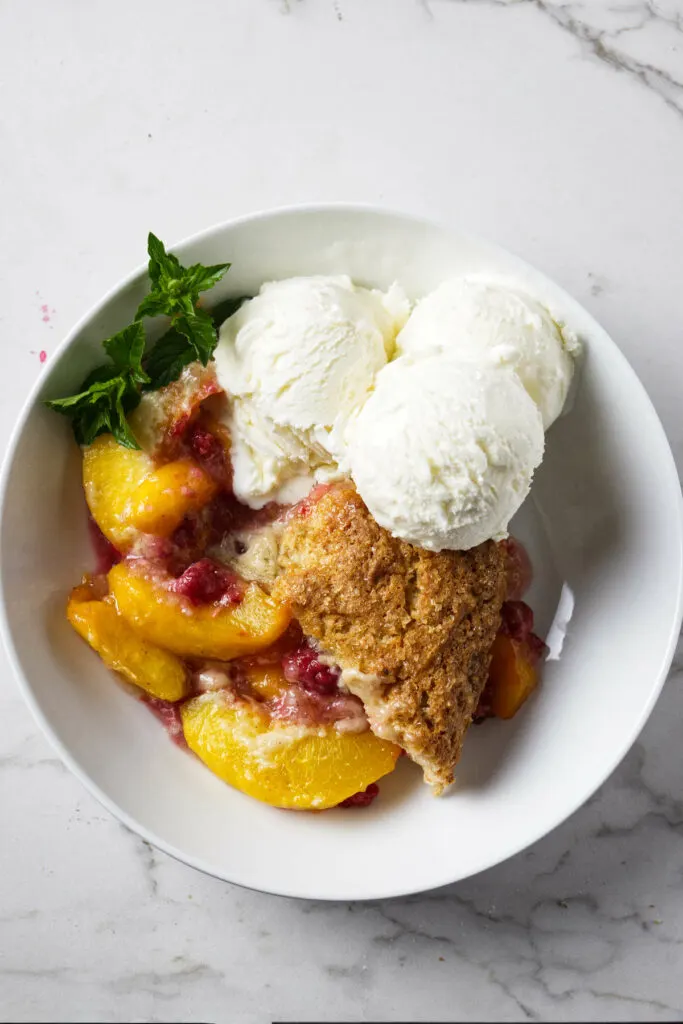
300	592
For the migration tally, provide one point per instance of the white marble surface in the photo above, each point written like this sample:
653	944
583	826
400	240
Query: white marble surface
553	128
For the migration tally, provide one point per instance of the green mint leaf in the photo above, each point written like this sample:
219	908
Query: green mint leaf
199	279
163	266
186	304
101	406
167	360
152	305
100	375
83	409
175	289
123	434
200	333
126	348
93	420
125	400
111	391
66	405
224	310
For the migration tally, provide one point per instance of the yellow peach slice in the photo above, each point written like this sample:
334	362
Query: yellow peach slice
163	499
267	681
281	764
512	676
204	631
152	669
111	474
126	492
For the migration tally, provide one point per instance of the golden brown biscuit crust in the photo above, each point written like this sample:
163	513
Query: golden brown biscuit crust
422	622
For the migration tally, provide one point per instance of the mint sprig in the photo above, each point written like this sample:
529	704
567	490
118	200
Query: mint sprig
168	359
225	309
175	293
173	353
111	391
175	289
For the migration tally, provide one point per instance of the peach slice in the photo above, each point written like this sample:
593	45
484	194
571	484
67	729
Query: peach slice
267	681
215	631
127	493
512	676
154	670
282	764
165	497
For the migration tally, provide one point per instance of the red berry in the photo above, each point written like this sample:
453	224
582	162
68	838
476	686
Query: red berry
518	569
169	716
179	426
518	619
106	554
536	648
484	709
302	666
363	799
205	581
209	453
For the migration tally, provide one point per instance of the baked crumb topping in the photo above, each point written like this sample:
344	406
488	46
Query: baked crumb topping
411	629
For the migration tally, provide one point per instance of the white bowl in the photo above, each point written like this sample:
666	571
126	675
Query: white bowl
603	525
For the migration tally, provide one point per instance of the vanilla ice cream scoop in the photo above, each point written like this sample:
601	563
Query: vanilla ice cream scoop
444	450
478	319
297	362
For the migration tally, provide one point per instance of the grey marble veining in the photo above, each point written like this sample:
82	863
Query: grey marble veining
640	40
552	127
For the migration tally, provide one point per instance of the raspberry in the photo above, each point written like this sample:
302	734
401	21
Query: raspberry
179	426
536	648
363	799
518	623
517	567
205	581
106	554
302	666
209	453
169	716
518	619
484	709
